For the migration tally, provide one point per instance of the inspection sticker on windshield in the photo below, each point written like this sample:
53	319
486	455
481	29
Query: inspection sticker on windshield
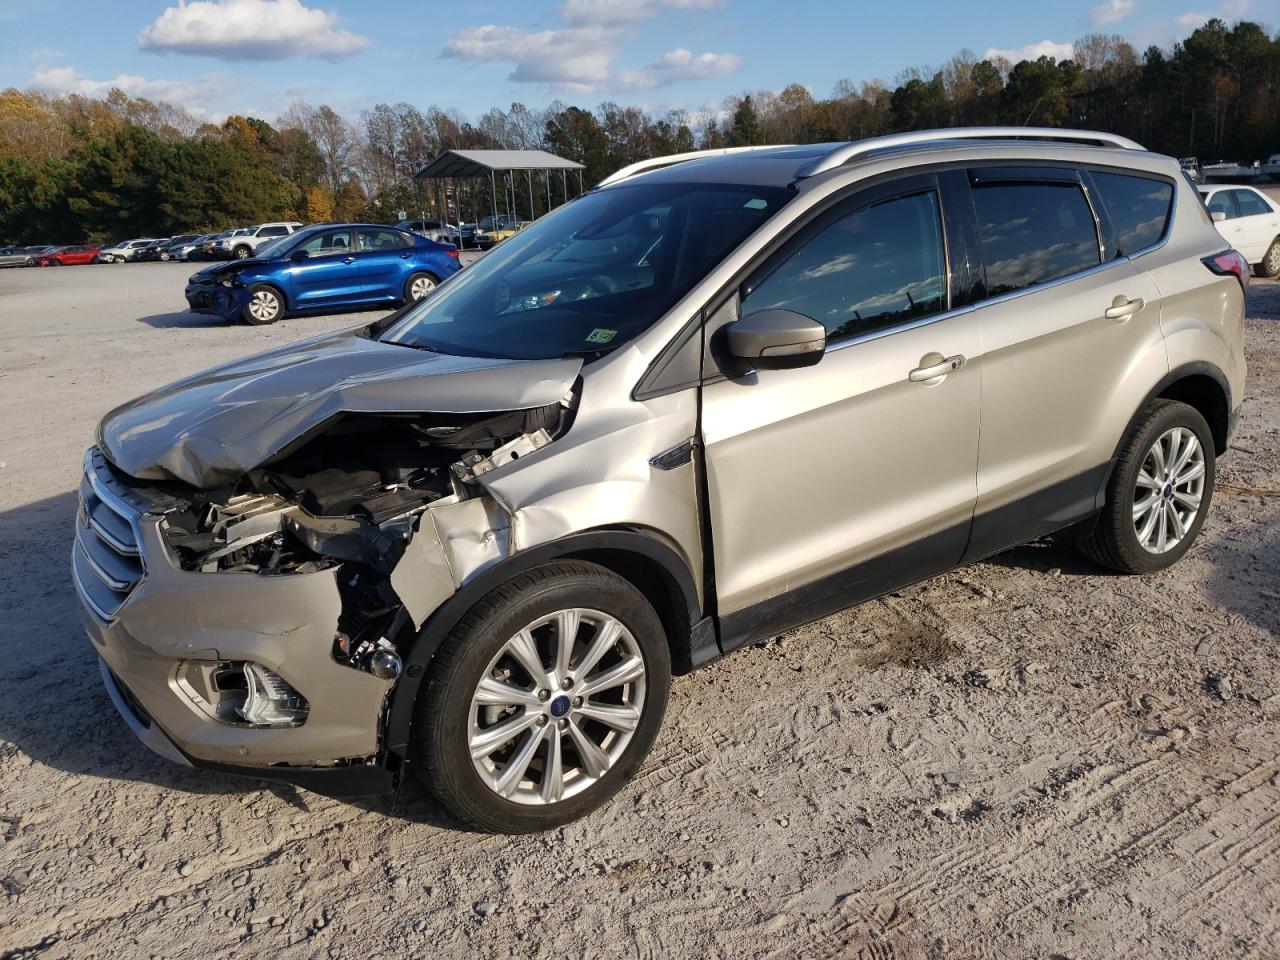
601	335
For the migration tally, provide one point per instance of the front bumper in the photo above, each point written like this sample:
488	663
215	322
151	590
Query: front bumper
226	302
148	619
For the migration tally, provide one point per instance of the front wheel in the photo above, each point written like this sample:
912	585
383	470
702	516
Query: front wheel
418	286
543	700
264	306
1159	491
242	253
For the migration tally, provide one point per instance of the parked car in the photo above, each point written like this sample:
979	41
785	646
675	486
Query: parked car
242	243
122	251
67	256
150	252
490	238
702	404
1250	221
178	248
22	256
1271	167
208	248
437	230
1191	167
481	234
326	268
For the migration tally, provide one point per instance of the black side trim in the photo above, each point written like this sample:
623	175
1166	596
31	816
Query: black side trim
417	651
917	561
1037	514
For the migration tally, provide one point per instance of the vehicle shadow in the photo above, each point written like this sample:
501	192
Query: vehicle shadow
185	320
53	707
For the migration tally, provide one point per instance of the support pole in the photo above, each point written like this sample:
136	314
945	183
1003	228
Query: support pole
564	183
579	183
493	194
533	214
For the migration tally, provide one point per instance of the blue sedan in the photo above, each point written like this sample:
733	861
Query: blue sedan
322	269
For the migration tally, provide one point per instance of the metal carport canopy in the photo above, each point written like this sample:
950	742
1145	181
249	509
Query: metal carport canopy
481	163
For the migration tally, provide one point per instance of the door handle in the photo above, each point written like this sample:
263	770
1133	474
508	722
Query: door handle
1122	309
348	259
936	368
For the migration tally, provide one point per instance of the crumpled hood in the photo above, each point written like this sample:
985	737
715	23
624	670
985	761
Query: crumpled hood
225	267
210	429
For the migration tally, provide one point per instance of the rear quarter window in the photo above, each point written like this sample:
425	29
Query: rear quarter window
1138	208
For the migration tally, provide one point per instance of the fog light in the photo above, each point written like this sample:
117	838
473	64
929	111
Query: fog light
269	700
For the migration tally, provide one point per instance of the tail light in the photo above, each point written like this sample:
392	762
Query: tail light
1229	262
453	252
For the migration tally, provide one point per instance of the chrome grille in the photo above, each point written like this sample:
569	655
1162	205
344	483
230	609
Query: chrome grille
106	562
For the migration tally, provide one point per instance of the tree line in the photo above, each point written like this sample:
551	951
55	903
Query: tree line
75	167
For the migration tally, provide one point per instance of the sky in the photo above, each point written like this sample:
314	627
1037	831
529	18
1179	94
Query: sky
217	57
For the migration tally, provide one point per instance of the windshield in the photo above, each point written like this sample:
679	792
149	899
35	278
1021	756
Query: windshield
275	246
590	276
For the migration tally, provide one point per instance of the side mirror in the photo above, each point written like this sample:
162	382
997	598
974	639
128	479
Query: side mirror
299	255
777	340
1218	216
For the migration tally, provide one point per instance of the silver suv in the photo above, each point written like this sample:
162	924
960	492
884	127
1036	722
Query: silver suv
244	243
715	398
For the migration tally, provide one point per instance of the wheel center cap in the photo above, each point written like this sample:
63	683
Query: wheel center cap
560	706
1168	491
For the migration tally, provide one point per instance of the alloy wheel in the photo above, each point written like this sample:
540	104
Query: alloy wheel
1169	490
264	306
1272	264
557	706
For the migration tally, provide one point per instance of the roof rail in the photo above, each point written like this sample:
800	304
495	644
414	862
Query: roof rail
657	163
853	151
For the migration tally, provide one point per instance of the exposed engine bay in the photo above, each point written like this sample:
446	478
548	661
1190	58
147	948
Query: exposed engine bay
349	495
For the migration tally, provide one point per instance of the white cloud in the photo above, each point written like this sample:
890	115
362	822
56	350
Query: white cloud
623	11
1033	51
576	59
250	30
1111	11
580	59
45	55
194	96
677	65
1228	10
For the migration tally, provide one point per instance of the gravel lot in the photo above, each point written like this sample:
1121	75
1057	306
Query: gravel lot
1024	758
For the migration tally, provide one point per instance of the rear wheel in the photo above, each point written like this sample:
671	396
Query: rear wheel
1270	265
419	285
241	253
265	305
543	700
1159	491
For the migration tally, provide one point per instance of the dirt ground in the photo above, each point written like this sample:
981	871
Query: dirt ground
1024	758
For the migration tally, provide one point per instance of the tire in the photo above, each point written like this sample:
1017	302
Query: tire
447	718
1270	265
1116	540
265	305
418	280
164	258
241	253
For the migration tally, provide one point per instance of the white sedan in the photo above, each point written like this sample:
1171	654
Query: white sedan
1250	222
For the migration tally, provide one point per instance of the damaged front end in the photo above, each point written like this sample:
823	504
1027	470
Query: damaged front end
351	498
255	615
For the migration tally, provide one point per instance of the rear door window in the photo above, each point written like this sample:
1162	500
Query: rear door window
867	271
1250	204
375	241
1138	208
1033	232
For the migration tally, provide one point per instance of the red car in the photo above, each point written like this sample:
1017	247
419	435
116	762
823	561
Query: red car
66	256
